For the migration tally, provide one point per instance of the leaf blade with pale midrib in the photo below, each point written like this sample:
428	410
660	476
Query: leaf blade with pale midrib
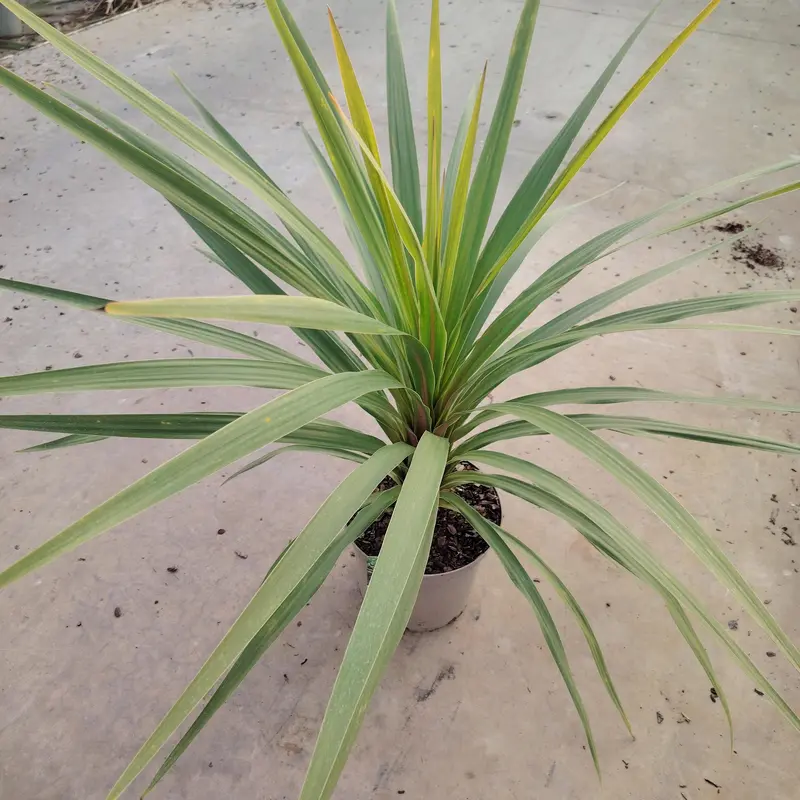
304	564
255	429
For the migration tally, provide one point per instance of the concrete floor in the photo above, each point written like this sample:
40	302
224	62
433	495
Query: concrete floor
80	688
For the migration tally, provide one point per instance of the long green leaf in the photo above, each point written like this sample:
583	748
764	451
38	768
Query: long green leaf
306	312
136	426
85	301
368	260
280	256
525	357
395	278
458	202
566	596
302	568
223	135
593	142
454	159
271	629
255	429
65	441
300	268
692	307
767	194
684	625
664	505
541	173
184	426
433	205
431	328
187	329
490	163
645	425
520	578
583	622
637	394
632	426
572	316
529	351
402	144
230	258
173	372
591	520
327	346
352	176
568	267
607	395
486	302
219	214
189	133
347	455
383	617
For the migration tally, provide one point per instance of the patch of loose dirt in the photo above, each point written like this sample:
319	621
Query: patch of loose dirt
754	254
730	227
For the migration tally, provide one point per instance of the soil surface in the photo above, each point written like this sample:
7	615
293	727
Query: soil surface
455	542
753	254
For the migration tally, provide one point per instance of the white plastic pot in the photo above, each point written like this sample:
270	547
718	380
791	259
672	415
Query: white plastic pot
442	597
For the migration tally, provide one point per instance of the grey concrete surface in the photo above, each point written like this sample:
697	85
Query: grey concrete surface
81	688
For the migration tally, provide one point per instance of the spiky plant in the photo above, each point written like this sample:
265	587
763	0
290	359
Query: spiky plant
417	356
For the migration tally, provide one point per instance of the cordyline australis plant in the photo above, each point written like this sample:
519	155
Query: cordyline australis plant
417	355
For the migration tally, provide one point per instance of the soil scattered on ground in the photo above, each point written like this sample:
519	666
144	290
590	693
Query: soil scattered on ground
730	227
752	253
455	542
755	255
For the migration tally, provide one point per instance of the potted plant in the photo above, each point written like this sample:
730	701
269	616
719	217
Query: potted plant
408	338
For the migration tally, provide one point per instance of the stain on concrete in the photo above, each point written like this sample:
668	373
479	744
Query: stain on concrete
447	673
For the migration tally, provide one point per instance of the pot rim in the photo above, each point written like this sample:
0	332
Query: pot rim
436	574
